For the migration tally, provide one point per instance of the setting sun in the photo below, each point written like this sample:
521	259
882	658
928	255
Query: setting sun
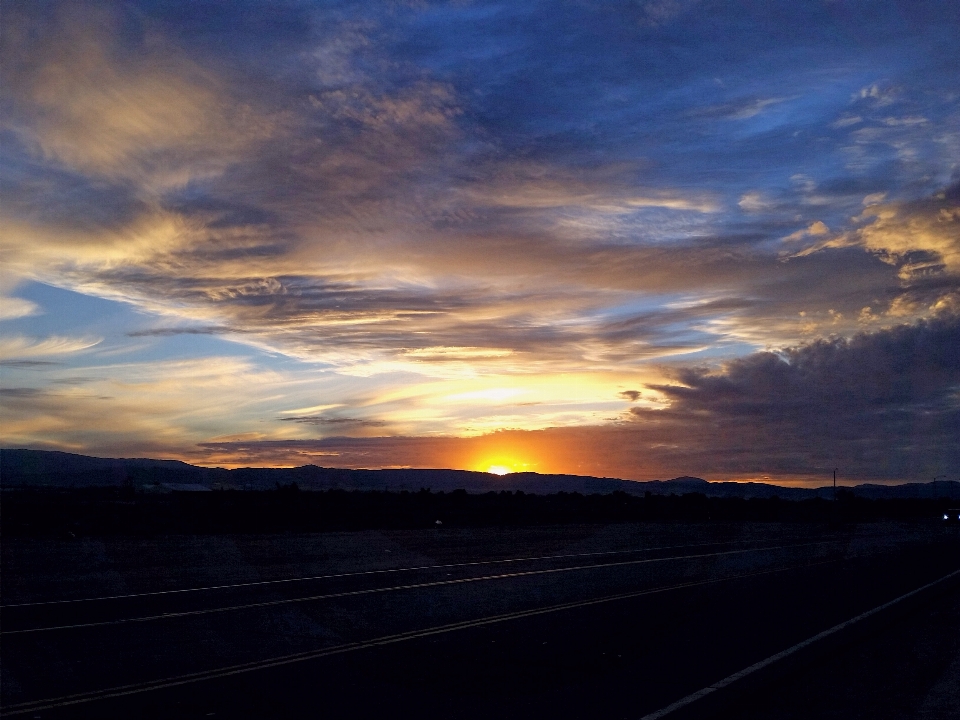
499	470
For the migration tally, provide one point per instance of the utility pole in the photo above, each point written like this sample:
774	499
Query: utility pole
835	483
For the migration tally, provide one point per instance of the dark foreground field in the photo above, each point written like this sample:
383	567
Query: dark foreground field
580	620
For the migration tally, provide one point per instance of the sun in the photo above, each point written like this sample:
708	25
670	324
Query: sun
502	462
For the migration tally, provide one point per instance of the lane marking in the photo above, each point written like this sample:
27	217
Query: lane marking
731	679
394	588
384	571
135	688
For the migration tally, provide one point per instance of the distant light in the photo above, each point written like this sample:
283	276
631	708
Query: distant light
498	470
946	517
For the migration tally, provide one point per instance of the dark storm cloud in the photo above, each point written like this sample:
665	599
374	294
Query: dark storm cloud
879	404
903	367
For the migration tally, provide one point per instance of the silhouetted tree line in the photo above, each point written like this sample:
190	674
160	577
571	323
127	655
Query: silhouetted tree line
99	511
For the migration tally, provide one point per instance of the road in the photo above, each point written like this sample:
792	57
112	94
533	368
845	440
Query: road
599	625
906	669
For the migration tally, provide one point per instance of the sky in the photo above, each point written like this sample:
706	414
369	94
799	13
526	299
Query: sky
628	239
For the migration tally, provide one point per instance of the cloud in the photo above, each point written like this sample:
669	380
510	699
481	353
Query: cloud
846	121
151	408
741	109
538	187
660	12
12	308
815	229
172	331
101	107
919	237
29	364
19	392
21	346
754	201
347	201
930	226
877	94
880	406
409	205
909	120
333	420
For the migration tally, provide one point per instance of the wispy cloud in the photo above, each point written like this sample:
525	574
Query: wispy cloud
334	421
743	109
19	346
14	307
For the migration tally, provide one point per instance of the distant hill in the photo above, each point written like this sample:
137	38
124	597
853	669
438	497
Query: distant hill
39	468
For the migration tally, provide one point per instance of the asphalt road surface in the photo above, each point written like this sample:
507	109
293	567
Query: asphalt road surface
564	622
905	669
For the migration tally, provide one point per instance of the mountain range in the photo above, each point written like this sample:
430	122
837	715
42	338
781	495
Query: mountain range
20	468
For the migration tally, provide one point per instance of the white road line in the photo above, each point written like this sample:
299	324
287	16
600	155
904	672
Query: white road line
363	573
395	588
731	679
134	688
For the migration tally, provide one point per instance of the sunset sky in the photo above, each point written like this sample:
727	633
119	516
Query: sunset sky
633	239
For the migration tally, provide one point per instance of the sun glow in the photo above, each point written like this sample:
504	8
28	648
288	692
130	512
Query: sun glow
500	465
501	454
